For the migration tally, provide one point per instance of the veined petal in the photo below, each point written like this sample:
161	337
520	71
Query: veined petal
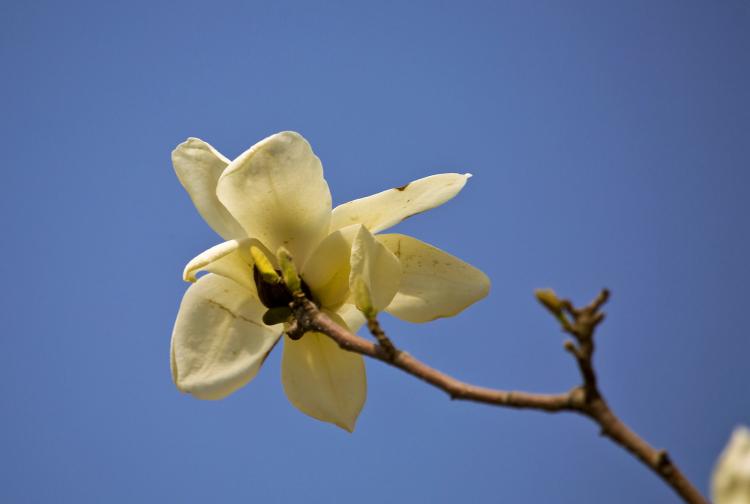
219	340
199	166
277	192
230	259
385	209
434	283
322	380
376	266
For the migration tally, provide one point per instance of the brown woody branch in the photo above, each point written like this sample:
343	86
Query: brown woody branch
585	399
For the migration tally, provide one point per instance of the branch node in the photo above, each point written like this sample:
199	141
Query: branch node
662	460
576	399
569	308
571	347
294	329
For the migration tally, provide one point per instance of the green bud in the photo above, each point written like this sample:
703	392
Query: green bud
288	270
264	266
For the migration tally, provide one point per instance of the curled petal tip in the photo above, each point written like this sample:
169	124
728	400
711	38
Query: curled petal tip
468	175
189	141
188	274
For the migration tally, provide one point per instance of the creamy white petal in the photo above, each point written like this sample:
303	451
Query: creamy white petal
377	266
385	209
327	269
199	166
276	191
434	283
322	380
230	259
219	340
731	479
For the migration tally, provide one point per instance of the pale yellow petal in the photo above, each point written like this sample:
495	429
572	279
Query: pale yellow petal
351	316
730	483
324	381
434	283
199	166
385	209
327	269
376	266
230	259
219	340
276	191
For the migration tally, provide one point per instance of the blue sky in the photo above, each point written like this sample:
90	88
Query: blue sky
610	146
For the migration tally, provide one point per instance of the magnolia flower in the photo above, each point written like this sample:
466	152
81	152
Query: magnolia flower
273	196
731	479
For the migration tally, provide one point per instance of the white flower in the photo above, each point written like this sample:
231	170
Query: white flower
274	195
731	479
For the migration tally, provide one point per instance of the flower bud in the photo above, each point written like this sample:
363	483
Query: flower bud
288	270
264	266
549	299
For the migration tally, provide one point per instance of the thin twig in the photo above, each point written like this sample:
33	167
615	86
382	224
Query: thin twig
585	399
385	343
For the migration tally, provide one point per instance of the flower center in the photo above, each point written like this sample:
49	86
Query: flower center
276	294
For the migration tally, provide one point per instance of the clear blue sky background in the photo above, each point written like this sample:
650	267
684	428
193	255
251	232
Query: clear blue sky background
610	143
